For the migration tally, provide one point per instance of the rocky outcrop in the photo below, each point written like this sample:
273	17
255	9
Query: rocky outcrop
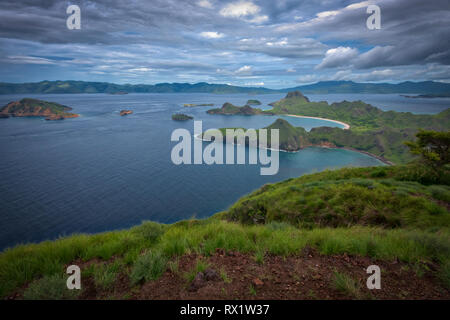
125	112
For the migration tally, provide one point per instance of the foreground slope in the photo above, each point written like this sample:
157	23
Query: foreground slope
306	238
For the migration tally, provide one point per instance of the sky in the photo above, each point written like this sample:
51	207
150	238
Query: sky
270	43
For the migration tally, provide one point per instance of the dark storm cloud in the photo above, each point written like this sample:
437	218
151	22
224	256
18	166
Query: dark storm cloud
264	40
413	32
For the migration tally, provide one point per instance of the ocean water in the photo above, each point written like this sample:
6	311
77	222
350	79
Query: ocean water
104	172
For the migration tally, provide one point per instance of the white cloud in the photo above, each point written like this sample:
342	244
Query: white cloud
240	9
323	16
244	71
205	4
254	84
141	69
29	60
245	10
212	35
259	19
337	57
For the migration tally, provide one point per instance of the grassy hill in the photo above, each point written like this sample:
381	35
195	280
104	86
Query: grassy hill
318	233
229	109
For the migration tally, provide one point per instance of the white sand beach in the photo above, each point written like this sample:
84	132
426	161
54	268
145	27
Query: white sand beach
346	126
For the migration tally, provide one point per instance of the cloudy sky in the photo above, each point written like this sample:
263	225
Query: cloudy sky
271	43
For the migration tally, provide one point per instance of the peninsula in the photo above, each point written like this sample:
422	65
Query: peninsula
368	129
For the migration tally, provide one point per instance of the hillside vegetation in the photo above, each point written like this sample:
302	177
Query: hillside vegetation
379	133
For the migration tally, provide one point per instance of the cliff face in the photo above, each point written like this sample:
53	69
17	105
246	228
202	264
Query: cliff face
37	108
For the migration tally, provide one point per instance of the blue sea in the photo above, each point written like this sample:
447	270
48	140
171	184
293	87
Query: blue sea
103	172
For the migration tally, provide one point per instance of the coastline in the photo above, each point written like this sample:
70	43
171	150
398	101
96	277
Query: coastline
346	125
383	160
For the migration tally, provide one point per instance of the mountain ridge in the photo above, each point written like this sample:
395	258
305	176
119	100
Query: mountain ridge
323	87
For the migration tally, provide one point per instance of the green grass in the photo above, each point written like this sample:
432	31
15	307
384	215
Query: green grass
252	290
224	276
149	266
347	285
367	196
105	275
50	288
200	266
26	263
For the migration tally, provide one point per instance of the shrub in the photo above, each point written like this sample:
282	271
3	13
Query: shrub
149	266
347	285
150	231
50	288
106	274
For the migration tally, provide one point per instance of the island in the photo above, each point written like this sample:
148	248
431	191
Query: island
28	107
125	112
119	93
369	129
254	102
428	96
229	109
181	117
198	105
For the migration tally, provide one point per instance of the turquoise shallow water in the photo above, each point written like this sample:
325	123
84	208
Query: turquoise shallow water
102	172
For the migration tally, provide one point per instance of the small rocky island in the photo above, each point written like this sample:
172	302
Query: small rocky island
28	107
181	117
229	109
254	102
198	105
125	112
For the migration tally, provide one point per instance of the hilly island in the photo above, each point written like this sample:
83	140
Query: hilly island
371	130
36	108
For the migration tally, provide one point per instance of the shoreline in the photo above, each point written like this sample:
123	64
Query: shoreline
380	158
346	125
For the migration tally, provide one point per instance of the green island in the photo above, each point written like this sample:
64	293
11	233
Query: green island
198	105
230	109
181	117
318	233
430	95
253	102
372	131
28	107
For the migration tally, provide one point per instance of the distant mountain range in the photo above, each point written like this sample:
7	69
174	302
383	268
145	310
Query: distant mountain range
425	87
